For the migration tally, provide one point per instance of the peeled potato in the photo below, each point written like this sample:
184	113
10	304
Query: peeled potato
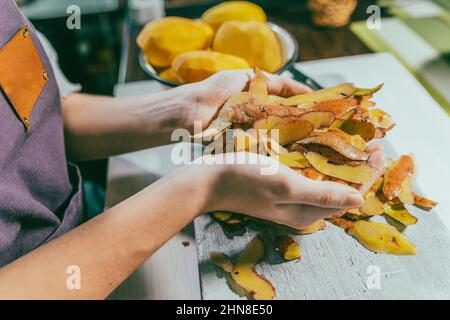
163	39
169	74
252	41
233	10
195	66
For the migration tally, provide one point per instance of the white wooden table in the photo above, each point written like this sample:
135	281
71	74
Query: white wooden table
333	264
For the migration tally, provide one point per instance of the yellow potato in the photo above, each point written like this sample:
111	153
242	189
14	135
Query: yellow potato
252	41
195	66
169	74
233	10
163	39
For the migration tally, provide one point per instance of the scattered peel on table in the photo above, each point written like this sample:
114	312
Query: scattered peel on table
244	274
221	260
288	248
381	238
423	203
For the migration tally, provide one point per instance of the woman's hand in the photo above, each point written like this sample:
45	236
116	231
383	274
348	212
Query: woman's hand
205	98
285	197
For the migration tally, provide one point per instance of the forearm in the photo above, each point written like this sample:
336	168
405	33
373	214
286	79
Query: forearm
108	248
97	127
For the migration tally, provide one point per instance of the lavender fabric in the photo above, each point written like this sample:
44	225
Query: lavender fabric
40	192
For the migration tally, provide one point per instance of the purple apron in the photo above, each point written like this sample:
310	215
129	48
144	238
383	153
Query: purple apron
40	192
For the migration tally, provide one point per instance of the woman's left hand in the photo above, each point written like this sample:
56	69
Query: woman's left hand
207	97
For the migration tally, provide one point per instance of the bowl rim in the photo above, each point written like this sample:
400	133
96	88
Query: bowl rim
151	72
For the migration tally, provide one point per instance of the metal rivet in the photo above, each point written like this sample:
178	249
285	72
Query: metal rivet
27	122
45	75
25	33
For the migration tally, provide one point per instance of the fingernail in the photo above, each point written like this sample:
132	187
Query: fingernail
355	200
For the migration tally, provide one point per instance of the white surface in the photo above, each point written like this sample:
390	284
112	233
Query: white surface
423	57
143	11
420	8
423	128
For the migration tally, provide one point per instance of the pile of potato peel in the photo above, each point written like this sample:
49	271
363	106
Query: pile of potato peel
322	135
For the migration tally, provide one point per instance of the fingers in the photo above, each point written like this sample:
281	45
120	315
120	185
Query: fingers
301	216
376	162
322	194
285	86
237	80
377	157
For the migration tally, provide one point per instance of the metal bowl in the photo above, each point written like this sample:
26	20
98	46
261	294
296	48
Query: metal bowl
289	53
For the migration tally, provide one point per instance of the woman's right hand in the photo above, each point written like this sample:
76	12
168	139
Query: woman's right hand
285	197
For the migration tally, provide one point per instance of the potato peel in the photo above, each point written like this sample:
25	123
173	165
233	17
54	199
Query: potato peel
395	176
399	213
221	260
356	174
337	143
423	203
312	228
244	274
339	92
381	238
288	248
